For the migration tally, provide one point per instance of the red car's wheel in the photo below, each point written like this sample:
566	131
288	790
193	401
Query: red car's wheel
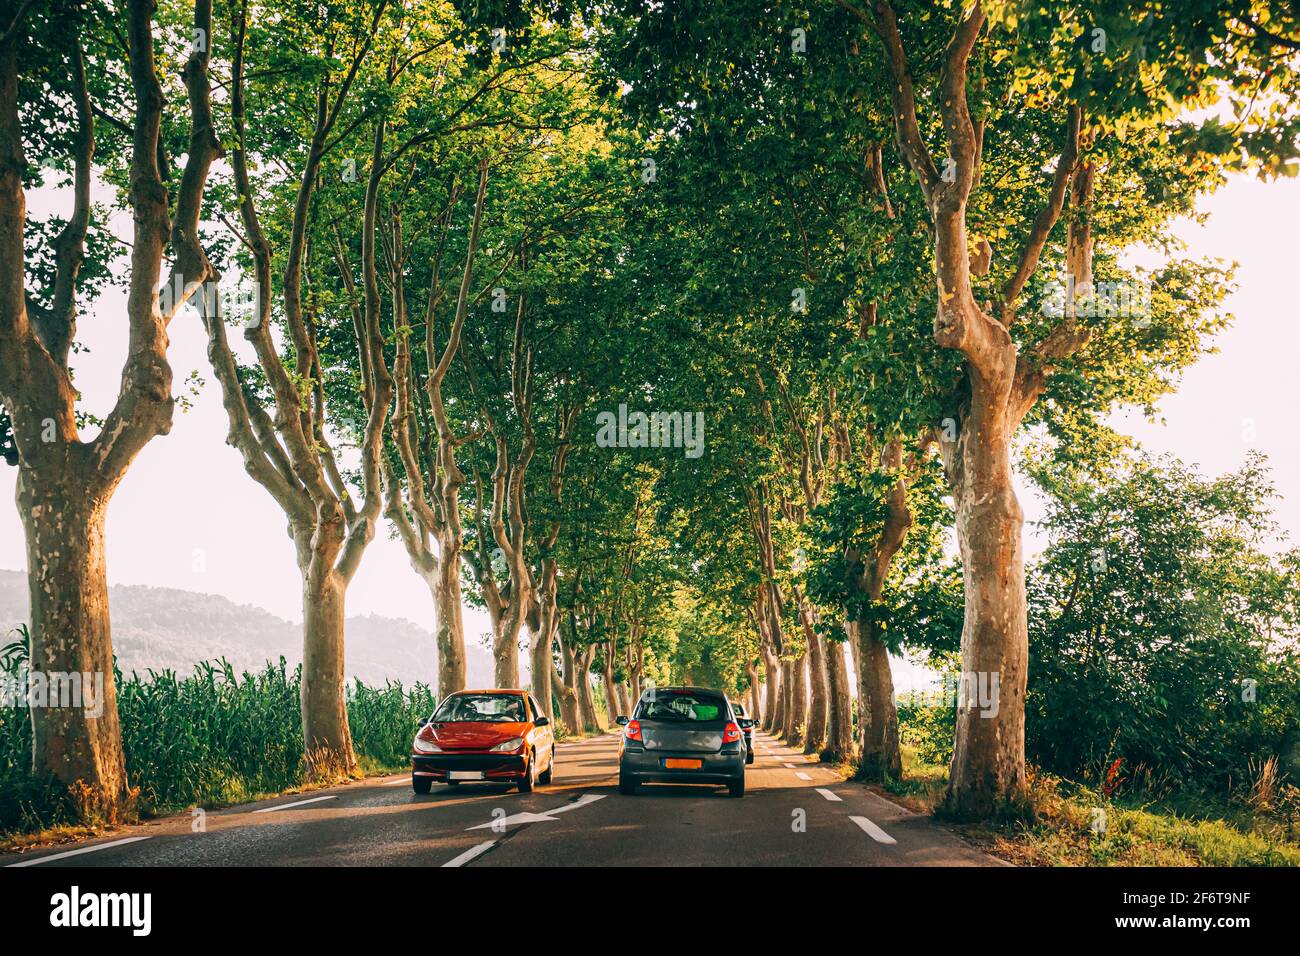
529	781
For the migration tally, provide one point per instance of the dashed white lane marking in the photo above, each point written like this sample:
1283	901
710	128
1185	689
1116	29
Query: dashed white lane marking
802	776
84	849
393	783
790	765
873	831
471	853
832	797
296	803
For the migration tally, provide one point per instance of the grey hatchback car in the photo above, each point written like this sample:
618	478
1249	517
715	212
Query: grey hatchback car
682	735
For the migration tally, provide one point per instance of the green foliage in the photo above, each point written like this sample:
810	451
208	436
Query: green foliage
1163	633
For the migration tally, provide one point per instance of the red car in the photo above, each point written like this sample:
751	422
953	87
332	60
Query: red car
484	735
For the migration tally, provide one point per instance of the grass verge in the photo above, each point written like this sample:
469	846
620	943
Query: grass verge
1079	826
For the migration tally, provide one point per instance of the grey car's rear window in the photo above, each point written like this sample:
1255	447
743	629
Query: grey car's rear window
683	706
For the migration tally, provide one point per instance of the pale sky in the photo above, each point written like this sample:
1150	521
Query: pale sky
188	516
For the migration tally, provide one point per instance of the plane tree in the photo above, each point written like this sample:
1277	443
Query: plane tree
1089	103
305	88
68	73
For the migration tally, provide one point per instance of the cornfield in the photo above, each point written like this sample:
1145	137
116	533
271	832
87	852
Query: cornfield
209	739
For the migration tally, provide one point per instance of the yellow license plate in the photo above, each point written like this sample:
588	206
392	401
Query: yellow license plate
677	764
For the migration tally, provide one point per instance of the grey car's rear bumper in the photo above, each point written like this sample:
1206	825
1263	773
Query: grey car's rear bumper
647	766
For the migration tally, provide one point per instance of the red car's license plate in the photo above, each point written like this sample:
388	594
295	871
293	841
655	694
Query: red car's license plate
673	763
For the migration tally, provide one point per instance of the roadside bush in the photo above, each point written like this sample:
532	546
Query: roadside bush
1163	629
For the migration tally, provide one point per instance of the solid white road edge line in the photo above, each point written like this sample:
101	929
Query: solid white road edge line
471	853
832	797
873	831
84	849
297	803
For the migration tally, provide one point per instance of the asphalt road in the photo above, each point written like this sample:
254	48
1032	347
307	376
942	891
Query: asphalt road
794	813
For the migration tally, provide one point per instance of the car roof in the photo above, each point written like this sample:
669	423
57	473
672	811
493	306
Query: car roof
491	690
684	689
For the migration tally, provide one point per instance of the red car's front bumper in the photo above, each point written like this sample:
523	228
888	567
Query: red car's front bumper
493	766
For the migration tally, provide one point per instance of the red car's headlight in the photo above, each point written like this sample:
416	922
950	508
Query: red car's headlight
426	746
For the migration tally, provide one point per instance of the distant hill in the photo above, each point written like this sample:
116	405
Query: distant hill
161	628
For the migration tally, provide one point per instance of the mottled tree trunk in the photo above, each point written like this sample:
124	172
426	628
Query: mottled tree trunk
450	632
776	695
611	690
505	649
540	663
585	699
815	730
796	704
753	701
568	692
839	718
988	759
625	704
76	740
881	756
326	735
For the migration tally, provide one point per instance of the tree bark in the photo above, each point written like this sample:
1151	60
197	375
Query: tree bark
586	698
752	701
327	738
988	761
505	648
568	691
78	741
815	727
612	703
881	757
774	716
839	717
450	632
796	705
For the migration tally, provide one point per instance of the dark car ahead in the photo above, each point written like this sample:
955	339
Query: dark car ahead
682	735
747	726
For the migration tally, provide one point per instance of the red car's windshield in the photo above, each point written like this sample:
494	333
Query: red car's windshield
481	708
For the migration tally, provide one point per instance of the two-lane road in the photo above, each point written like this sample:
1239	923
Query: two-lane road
795	813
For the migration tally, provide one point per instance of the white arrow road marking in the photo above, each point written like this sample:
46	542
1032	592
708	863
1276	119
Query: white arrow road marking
84	849
297	803
873	831
529	817
803	776
832	797
471	853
